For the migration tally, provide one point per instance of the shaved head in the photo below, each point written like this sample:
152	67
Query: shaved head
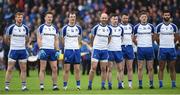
104	18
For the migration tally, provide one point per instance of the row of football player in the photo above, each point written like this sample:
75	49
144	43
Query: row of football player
106	48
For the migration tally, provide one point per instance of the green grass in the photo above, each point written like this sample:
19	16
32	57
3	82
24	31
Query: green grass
33	85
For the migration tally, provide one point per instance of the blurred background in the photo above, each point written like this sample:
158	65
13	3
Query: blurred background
87	16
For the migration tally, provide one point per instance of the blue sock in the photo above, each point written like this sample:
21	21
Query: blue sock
78	83
120	84
64	83
160	83
151	82
109	83
90	83
173	83
103	83
140	82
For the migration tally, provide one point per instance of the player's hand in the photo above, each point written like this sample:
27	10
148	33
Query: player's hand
57	54
42	53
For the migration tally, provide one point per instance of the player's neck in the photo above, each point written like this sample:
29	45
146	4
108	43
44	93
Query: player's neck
48	24
18	24
114	25
124	23
166	22
103	24
71	24
143	23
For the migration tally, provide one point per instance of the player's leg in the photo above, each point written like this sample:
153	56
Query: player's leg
150	73
94	63
77	68
77	75
150	58
173	73
120	74
109	69
9	71
172	64
140	57
161	72
23	68
42	70
54	69
103	65
91	73
66	70
140	72
162	61
109	74
129	64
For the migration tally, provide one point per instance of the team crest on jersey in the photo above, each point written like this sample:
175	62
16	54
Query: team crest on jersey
103	30
149	28
114	30
23	30
19	30
72	30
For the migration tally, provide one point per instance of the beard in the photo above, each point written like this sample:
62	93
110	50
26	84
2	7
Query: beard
166	19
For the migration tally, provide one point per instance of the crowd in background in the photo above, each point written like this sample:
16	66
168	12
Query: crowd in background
87	14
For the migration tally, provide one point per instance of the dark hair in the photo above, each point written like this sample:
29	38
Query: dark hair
113	15
72	12
143	12
19	13
126	14
48	13
166	11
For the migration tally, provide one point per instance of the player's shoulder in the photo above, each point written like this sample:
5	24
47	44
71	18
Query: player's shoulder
25	26
160	24
137	25
96	26
172	24
11	26
64	27
41	26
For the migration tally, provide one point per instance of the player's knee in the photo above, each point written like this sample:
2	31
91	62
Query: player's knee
103	69
54	69
140	68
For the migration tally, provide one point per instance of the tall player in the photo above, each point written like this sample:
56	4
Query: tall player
100	38
48	42
71	36
143	37
127	47
17	37
167	36
115	52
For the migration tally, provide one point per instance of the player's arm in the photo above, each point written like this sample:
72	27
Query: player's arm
7	39
39	39
56	43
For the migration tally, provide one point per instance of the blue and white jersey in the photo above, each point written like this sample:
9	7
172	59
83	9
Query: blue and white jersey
144	34
127	35
116	38
48	33
71	36
18	36
101	35
166	35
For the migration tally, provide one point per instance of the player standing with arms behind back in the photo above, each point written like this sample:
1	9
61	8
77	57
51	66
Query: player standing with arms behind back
127	47
17	38
115	52
167	36
48	42
100	39
71	36
143	38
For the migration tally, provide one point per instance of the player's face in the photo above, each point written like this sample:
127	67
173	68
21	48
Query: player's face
125	19
49	18
72	18
114	20
143	18
19	18
166	17
104	18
